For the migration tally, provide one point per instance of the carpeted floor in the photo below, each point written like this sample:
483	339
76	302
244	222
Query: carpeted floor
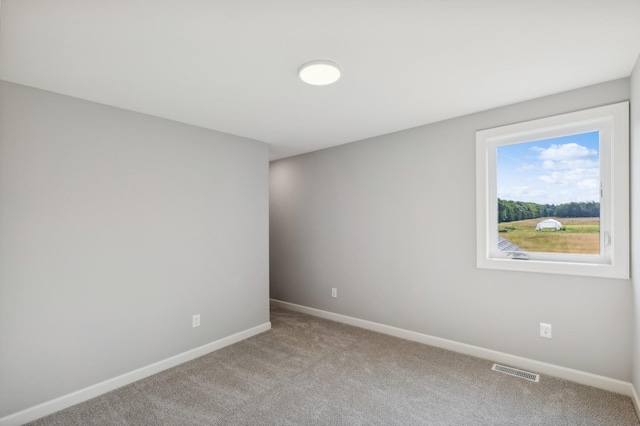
307	370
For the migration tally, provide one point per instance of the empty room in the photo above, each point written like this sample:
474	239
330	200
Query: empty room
319	212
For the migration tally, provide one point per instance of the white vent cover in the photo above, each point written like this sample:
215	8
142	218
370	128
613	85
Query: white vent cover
517	373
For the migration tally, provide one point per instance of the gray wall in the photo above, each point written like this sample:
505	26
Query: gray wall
390	222
635	216
115	228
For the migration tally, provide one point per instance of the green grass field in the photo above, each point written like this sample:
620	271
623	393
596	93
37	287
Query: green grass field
577	236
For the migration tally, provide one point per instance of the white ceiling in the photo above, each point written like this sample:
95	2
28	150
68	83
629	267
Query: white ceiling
232	65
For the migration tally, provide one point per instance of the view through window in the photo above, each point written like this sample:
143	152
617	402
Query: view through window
549	195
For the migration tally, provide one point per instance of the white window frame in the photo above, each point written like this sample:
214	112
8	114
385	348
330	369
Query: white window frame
612	121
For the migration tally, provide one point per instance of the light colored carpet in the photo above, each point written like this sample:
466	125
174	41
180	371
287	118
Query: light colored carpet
307	370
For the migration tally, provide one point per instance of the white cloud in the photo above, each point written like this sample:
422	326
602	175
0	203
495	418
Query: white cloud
570	177
525	166
567	151
520	192
562	173
543	195
570	164
589	184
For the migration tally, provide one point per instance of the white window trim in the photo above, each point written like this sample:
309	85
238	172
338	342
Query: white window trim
613	123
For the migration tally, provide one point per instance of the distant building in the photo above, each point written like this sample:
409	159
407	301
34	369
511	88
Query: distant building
549	224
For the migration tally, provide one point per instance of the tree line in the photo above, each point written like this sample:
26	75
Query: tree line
508	210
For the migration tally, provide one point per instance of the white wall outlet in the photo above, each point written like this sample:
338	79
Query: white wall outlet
195	322
545	330
334	292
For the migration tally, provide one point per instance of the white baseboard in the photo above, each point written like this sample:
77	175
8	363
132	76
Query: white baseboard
87	393
636	401
582	377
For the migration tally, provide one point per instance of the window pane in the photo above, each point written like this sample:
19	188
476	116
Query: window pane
549	195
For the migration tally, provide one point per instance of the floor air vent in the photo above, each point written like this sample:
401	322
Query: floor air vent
515	372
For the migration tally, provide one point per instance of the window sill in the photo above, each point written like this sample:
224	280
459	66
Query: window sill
555	267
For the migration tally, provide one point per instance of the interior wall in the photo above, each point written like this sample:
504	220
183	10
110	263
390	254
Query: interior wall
635	213
390	223
116	228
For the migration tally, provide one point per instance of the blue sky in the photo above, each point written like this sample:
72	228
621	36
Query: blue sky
550	171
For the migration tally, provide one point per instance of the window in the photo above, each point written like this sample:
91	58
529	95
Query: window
553	194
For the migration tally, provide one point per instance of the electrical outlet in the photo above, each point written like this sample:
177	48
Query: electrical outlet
195	322
334	293
545	330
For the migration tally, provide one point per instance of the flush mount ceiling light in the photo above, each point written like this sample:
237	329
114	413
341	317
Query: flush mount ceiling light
319	73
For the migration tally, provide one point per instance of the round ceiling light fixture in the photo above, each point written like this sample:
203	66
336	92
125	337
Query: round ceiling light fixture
319	73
